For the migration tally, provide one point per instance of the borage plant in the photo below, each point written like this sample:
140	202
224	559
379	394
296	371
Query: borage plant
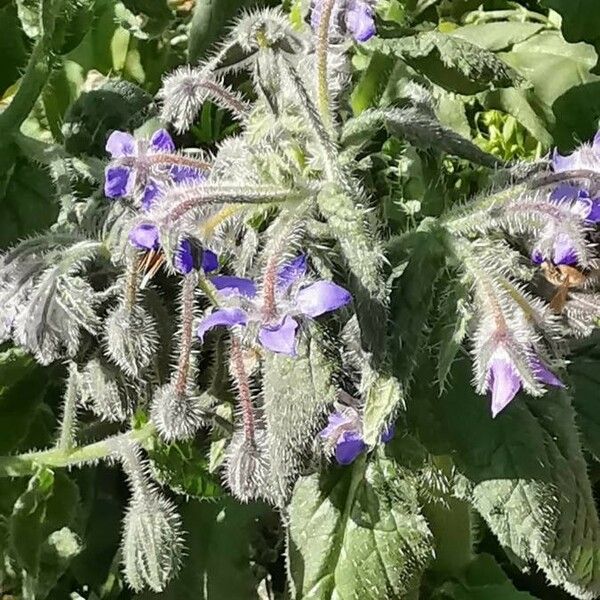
258	303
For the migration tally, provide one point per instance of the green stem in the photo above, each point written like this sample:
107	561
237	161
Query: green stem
68	425
24	465
322	56
36	73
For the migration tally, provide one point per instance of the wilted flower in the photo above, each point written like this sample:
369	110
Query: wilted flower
277	324
344	436
134	173
355	16
504	381
188	256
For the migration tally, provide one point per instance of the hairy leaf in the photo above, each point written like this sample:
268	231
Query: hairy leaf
297	394
357	532
451	62
525	473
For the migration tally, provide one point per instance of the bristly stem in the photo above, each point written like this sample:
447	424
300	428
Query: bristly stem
187	199
66	439
23	465
243	384
132	282
269	286
322	56
165	159
187	323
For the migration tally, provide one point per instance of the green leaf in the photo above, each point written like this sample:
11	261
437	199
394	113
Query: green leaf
12	48
451	62
297	394
384	396
209	22
483	579
580	19
115	105
585	374
23	384
555	67
26	199
26	525
412	294
183	466
372	83
497	36
451	328
221	546
524	472
357	532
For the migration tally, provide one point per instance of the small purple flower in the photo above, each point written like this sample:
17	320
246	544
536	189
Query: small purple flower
357	17
144	180
504	380
278	325
344	434
145	236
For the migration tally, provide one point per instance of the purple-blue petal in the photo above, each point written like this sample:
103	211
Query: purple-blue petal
291	272
543	374
116	182
183	261
280	338
151	193
145	236
228	285
388	433
223	316
360	21
594	214
161	141
335	420
349	447
504	382
537	257
120	143
321	297
210	261
562	163
564	252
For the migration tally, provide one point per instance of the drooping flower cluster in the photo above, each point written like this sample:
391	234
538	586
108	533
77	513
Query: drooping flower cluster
141	170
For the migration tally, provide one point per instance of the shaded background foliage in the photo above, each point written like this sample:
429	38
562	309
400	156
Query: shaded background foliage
545	92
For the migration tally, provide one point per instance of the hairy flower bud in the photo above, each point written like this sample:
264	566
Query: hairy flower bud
247	468
130	338
176	416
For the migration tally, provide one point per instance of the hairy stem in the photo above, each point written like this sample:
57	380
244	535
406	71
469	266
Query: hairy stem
243	384
66	438
24	465
187	323
322	50
36	73
188	199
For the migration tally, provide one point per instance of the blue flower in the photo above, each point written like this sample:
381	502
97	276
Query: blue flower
344	434
243	306
504	380
132	172
357	17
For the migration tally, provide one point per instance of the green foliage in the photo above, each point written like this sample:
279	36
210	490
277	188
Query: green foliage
357	532
298	392
526	475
